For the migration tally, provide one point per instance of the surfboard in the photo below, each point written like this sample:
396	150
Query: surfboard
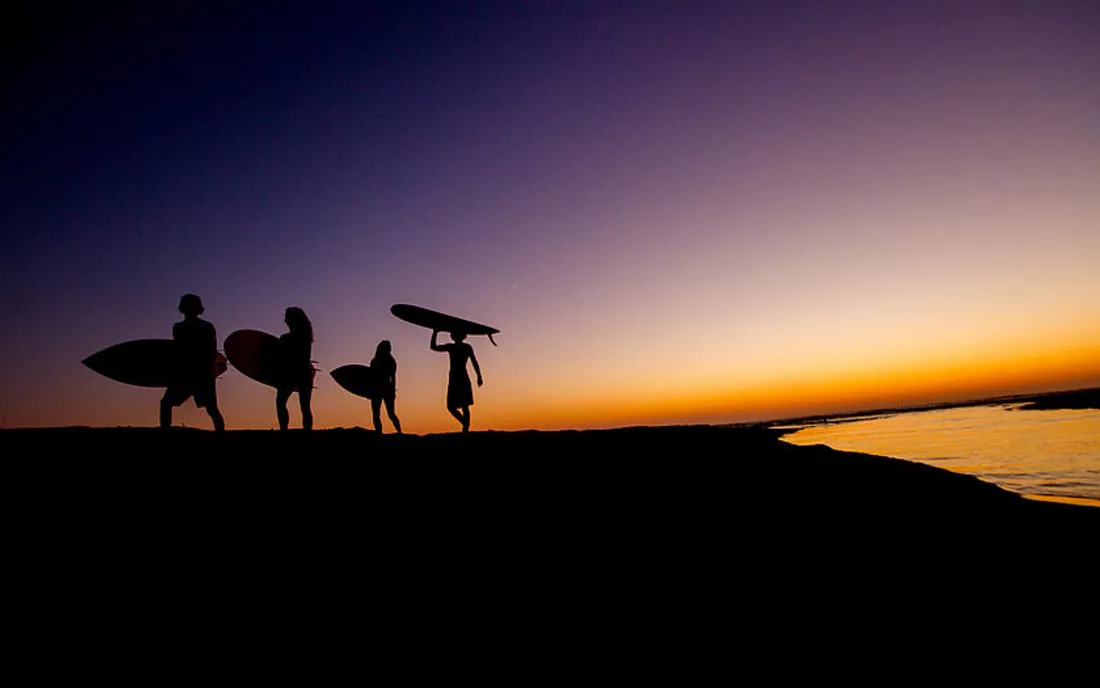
258	355
142	362
357	379
434	320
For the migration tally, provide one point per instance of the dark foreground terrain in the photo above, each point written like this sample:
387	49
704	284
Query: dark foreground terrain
1074	399
677	556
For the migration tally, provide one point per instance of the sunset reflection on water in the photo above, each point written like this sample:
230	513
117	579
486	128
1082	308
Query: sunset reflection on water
1040	454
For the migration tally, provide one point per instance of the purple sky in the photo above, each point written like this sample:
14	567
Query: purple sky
668	202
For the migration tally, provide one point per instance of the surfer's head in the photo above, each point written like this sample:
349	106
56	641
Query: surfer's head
383	348
298	323
458	336
191	304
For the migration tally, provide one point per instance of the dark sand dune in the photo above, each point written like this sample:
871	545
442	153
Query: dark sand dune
664	555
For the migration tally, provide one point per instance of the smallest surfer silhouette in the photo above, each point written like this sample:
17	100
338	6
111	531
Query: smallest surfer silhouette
384	369
460	395
196	347
298	370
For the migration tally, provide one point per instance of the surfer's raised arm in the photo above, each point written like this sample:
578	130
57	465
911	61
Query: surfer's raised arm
477	368
435	346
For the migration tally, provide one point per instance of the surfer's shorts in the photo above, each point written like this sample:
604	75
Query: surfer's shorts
204	392
459	392
387	396
297	383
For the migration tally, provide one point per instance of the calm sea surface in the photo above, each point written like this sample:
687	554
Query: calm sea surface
1039	454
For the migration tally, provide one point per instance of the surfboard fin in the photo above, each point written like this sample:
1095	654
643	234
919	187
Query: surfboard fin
491	340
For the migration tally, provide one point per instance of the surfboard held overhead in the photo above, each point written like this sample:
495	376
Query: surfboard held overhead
434	320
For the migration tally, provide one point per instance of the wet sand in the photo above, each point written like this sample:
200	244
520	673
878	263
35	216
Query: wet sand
654	554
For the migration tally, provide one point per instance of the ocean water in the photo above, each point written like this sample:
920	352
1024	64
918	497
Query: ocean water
1051	455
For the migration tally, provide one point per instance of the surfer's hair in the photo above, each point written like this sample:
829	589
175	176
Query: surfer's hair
191	304
383	348
298	323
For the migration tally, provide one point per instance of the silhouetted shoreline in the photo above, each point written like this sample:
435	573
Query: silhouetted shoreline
539	557
1077	399
1088	398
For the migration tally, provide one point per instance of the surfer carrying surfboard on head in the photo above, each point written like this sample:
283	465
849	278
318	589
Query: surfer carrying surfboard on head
297	369
460	395
384	371
196	352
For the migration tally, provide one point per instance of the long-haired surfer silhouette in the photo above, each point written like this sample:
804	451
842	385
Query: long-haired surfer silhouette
384	369
460	395
298	370
197	347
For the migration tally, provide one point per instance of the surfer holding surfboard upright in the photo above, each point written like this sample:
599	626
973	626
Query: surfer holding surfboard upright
460	394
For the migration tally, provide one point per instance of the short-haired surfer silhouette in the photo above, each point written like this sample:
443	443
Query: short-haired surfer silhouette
194	375
384	371
460	394
297	368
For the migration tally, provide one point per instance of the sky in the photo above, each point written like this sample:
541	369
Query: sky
677	212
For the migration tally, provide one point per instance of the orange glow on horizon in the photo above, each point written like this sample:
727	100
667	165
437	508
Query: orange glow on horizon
787	397
787	394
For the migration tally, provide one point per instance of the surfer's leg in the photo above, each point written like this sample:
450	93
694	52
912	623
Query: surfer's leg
453	410
392	414
376	414
281	398
206	397
304	394
465	419
216	416
173	396
165	412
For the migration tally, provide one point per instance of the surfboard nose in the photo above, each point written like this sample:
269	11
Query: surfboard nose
91	362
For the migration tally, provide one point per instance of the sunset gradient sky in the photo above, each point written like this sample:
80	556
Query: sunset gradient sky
674	212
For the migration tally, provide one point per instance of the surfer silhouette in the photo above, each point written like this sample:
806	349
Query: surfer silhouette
384	369
196	346
298	370
460	395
